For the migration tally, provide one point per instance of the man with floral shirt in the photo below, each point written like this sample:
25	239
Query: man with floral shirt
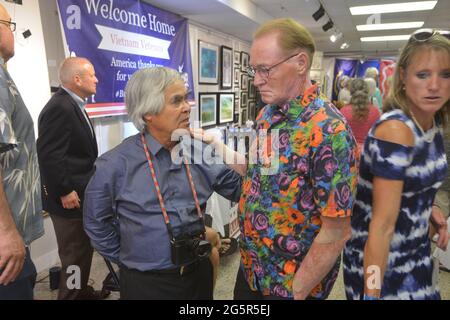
294	220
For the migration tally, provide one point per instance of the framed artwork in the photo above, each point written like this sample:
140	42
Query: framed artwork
237	103
207	103
226	107
244	99
226	75
243	116
237	57
237	76
251	110
251	90
208	57
244	61
244	81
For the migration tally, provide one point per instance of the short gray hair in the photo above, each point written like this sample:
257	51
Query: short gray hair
144	93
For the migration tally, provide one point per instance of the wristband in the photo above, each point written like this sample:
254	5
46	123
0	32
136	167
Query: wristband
366	297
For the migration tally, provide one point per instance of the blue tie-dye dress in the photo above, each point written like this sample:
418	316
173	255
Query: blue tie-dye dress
422	168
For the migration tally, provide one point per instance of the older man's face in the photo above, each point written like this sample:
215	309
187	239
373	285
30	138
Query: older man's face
6	36
284	81
176	111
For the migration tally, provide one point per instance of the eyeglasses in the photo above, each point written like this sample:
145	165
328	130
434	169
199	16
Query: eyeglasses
263	71
10	24
423	35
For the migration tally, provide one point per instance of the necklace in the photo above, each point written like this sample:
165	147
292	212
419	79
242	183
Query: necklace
426	135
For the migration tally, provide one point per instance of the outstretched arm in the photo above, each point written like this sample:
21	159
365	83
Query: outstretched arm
231	158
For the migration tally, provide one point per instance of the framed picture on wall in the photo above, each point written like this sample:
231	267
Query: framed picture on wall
243	116
244	61
244	99
207	106
226	107
237	104
251	90
251	110
237	57
244	81
237	76
226	75
208	63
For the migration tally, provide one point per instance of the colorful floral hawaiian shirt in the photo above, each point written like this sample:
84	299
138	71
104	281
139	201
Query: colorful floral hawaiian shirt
316	175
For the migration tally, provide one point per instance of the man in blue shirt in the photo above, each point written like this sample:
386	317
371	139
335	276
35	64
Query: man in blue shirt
150	191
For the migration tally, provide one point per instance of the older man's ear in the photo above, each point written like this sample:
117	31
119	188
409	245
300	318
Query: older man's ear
148	118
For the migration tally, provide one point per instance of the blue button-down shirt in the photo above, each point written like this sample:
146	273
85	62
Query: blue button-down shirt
122	214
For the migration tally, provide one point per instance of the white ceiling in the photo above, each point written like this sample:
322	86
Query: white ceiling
240	18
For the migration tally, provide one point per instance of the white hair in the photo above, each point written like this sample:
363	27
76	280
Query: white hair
144	93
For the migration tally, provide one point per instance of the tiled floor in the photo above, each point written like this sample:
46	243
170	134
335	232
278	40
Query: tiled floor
224	285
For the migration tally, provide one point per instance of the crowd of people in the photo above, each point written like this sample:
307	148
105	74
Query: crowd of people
319	183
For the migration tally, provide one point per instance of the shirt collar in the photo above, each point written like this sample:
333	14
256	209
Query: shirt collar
80	102
2	61
153	145
294	107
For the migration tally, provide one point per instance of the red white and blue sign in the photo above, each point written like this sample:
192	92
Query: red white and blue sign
120	37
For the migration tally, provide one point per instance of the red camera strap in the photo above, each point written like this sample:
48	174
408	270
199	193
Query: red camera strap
158	189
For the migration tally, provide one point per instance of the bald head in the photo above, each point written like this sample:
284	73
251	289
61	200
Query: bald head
78	75
6	35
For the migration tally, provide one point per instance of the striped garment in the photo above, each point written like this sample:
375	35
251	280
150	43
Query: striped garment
422	168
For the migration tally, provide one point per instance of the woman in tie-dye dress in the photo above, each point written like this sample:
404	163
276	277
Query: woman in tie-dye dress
402	166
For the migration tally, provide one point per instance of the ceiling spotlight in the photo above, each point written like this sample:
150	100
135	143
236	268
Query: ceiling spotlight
327	26
335	36
319	13
345	45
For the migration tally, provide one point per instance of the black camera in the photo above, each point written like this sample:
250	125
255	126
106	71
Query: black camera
187	249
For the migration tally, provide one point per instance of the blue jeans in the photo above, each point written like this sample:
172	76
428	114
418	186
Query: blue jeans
22	288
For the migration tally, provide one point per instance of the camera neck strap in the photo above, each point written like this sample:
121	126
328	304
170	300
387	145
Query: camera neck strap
158	189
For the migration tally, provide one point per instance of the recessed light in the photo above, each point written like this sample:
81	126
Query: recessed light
390	26
393	7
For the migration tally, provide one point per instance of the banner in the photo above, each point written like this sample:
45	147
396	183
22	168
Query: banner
342	67
387	68
120	37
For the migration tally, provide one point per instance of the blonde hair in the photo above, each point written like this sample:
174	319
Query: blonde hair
291	36
397	98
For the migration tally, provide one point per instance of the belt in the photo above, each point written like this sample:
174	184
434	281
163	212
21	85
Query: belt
183	270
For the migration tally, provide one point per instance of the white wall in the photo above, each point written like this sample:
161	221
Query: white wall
28	69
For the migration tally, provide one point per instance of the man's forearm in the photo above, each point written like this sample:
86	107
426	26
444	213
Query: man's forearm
231	158
6	219
317	263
